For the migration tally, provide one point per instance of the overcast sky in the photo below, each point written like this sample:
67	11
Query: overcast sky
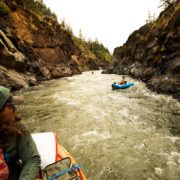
110	21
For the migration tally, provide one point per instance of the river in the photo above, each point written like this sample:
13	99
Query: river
131	134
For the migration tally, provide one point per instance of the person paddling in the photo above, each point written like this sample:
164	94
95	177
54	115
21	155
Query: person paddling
123	80
18	147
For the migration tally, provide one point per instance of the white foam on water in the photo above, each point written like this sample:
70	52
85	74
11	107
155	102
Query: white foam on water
174	158
69	101
89	137
139	146
135	117
73	103
158	171
121	123
149	178
124	112
171	163
173	139
94	133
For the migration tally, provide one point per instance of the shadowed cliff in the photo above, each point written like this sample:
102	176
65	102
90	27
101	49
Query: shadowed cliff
152	53
35	48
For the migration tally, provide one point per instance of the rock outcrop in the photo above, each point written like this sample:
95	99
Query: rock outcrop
34	48
152	53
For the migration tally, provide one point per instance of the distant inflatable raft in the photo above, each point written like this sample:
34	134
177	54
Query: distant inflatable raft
122	86
51	151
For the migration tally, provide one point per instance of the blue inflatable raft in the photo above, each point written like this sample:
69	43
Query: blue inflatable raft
122	86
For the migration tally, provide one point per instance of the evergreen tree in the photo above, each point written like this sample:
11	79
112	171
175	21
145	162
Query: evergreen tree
37	6
151	18
99	50
80	35
166	3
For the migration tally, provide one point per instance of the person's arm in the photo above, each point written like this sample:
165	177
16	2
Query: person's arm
29	156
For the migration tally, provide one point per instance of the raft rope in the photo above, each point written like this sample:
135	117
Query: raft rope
74	167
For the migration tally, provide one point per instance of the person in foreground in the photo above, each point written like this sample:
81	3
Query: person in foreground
18	147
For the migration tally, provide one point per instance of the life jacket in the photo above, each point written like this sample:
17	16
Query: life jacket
4	171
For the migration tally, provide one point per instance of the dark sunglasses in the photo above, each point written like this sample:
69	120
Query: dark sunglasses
9	104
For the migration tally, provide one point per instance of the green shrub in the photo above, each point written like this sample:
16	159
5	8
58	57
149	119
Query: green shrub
4	9
38	7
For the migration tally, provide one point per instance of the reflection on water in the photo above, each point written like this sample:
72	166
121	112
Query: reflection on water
128	134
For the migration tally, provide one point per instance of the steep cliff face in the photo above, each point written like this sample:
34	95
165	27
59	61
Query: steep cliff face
34	48
152	53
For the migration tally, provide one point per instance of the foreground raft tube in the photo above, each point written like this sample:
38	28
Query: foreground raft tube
51	151
122	86
62	152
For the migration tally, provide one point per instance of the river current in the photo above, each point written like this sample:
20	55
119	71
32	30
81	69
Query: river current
130	134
